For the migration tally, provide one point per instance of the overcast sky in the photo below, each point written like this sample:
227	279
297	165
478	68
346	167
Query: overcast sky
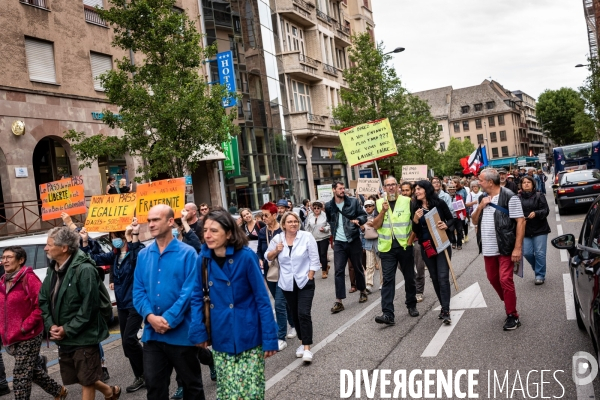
528	45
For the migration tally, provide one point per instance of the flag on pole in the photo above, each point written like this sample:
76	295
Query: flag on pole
475	161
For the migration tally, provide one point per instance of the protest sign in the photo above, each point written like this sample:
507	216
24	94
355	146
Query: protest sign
110	213
168	191
65	195
414	172
368	142
440	238
324	192
368	186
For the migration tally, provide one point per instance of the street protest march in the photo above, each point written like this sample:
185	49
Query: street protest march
65	195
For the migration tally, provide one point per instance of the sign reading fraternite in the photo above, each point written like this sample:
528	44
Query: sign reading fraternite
65	195
368	142
167	191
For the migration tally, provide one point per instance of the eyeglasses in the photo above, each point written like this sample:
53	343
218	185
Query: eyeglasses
391	184
316	207
7	258
204	209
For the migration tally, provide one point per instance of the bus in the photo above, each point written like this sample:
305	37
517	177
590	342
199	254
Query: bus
577	156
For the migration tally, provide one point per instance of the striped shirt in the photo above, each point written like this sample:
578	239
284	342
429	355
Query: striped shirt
489	244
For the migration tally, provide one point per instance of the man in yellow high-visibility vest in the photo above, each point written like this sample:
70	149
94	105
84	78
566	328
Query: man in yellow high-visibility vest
395	246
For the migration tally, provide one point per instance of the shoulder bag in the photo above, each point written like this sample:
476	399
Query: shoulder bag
273	272
370	232
206	298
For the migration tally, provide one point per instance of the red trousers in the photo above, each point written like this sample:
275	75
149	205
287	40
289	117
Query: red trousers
500	274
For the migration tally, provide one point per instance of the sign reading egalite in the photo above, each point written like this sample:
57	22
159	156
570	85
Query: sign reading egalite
110	213
368	142
167	191
65	195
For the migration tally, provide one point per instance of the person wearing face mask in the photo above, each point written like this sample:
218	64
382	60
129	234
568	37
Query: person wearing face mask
123	261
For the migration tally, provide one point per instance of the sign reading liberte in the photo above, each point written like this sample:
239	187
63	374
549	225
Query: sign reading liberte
368	142
110	213
167	191
65	195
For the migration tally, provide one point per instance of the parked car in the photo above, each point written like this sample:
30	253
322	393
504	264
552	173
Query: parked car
584	268
557	177
577	188
36	257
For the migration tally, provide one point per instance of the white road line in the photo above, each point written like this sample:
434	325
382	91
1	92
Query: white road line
557	217
585	391
284	372
559	230
556	209
564	256
569	303
442	335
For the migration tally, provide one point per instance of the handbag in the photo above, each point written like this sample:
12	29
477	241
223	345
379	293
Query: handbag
370	232
206	298
429	250
273	272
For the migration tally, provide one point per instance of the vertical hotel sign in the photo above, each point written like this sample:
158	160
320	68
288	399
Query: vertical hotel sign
227	76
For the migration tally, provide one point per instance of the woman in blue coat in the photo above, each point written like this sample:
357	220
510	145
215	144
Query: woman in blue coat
243	330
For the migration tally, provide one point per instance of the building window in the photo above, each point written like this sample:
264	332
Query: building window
456	127
504	151
480	138
440	128
293	38
492	121
493	137
478	107
500	119
301	97
478	123
366	3
494	152
91	15
40	60
442	146
465	125
464	109
489	105
468	138
503	136
100	64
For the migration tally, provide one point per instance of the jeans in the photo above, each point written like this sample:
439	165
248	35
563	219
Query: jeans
499	271
439	271
389	260
130	322
159	360
534	251
322	246
342	251
300	301
283	313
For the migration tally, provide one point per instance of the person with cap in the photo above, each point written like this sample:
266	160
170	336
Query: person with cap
505	183
316	224
282	207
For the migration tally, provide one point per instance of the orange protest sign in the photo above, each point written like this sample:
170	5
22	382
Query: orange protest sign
65	195
168	191
110	213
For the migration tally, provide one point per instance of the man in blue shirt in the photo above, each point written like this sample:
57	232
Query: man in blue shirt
162	290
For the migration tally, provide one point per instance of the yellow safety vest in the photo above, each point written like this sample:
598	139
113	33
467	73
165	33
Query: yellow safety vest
399	227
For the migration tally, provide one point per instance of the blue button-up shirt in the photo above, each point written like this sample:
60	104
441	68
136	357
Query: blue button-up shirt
163	285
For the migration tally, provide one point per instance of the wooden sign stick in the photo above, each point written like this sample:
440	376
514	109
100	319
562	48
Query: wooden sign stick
451	270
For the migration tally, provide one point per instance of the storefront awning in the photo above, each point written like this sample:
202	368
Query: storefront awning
213	155
502	162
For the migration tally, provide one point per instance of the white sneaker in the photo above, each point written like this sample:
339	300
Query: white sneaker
300	351
307	356
291	333
369	288
282	344
380	286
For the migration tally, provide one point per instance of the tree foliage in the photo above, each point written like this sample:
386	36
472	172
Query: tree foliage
171	118
450	161
376	92
589	123
561	113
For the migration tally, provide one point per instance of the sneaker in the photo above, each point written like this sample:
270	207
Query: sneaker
291	333
282	344
337	307
385	319
466	240
137	384
363	297
307	356
413	312
300	351
446	317
178	395
213	373
105	374
43	361
419	297
369	288
539	281
64	392
511	323
441	316
4	390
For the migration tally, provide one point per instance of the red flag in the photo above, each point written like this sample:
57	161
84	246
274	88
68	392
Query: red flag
464	162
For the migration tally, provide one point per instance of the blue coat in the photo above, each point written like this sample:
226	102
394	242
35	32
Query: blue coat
241	315
163	285
121	276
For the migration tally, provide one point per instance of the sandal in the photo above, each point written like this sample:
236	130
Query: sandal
459	248
454	246
116	393
352	290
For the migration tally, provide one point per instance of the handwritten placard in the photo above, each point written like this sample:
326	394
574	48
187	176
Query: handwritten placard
414	172
440	238
167	191
324	192
368	186
65	195
368	142
110	213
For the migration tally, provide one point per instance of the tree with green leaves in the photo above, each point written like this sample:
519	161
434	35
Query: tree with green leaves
170	116
590	93
376	92
561	113
450	161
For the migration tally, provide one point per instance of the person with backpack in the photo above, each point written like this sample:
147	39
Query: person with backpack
73	304
536	210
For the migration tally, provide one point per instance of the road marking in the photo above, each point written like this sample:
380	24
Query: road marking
569	303
438	341
564	256
470	297
555	209
285	372
585	391
557	218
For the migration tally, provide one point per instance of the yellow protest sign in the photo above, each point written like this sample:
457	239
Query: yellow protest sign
65	195
167	191
110	213
368	142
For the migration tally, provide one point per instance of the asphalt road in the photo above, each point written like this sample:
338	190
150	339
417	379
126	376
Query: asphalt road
516	364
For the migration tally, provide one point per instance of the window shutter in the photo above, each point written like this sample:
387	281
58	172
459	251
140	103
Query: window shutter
94	3
100	64
40	60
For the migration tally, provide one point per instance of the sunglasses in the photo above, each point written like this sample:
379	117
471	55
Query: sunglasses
369	205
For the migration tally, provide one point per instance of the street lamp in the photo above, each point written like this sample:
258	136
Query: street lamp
396	50
582	65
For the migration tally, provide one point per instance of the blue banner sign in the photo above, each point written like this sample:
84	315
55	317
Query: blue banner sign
227	76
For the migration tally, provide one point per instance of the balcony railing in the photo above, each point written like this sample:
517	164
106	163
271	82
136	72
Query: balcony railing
323	16
314	118
329	69
335	122
305	59
92	16
302	3
36	3
343	29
